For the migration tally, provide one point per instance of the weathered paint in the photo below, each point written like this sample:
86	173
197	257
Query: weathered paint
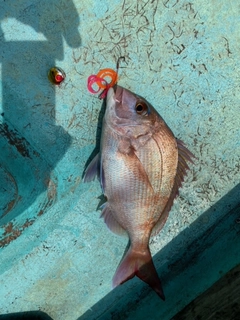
184	58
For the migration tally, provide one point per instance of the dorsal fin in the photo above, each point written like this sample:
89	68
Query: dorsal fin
184	155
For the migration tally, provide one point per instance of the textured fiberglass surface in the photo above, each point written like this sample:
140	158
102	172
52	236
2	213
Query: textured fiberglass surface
57	256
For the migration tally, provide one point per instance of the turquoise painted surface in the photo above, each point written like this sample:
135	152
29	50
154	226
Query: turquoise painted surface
56	254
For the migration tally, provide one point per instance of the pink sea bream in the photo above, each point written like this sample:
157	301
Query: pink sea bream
141	166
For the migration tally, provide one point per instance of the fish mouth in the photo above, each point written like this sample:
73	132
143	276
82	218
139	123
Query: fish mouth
113	102
119	104
118	93
114	96
110	95
110	105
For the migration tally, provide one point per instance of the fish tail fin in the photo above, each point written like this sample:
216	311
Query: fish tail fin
138	264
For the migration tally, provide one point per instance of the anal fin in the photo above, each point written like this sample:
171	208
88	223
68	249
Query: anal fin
110	220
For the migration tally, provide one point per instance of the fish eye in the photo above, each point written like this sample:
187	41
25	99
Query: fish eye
141	108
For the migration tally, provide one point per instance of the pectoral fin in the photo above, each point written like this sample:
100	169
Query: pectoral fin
92	170
134	164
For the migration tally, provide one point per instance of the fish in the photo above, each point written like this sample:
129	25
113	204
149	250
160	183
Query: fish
141	166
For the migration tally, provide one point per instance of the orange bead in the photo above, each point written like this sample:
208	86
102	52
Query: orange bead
112	74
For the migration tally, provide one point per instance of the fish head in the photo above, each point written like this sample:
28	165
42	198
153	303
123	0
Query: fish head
130	113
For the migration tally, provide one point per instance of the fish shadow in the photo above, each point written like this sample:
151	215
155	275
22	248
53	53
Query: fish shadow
98	135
